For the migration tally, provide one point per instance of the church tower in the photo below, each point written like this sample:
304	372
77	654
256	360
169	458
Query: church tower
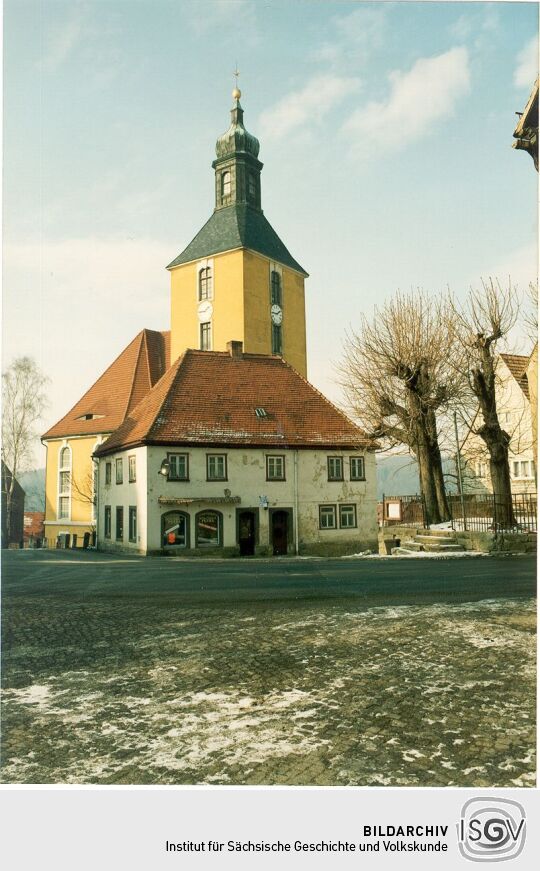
236	280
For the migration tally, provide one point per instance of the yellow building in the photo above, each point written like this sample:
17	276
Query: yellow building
236	281
70	492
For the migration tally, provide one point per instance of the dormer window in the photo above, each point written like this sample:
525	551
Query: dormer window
205	283
90	416
225	185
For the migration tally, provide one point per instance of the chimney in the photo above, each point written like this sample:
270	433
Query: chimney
235	349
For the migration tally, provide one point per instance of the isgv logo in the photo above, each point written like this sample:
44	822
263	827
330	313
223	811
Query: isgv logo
491	829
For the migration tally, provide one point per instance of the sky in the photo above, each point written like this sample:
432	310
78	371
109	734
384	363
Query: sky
385	130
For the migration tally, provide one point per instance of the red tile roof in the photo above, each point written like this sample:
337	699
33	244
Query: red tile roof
210	397
120	389
518	363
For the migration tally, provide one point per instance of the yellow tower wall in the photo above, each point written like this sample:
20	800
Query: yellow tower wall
228	314
241	306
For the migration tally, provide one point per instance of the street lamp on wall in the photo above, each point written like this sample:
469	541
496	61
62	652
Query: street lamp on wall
165	468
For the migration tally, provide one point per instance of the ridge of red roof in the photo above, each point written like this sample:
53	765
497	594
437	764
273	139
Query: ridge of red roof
119	389
210	397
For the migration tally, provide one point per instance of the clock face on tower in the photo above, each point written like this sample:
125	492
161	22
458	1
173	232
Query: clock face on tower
276	314
204	311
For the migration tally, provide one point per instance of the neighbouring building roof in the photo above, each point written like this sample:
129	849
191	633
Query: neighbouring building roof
34	523
237	226
120	389
518	364
526	132
213	398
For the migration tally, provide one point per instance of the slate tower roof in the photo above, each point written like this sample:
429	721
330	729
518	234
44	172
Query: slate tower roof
238	220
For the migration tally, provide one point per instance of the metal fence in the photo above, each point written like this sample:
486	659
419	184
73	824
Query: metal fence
402	511
472	512
488	512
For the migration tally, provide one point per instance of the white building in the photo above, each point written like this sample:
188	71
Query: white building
234	453
516	418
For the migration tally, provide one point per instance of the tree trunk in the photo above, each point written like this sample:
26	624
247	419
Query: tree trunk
499	468
425	455
427	481
496	439
438	474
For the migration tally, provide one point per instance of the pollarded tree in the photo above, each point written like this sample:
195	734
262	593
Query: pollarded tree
481	325
23	403
398	378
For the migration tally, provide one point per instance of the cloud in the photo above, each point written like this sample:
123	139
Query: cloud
307	106
418	98
61	41
219	13
479	23
526	71
356	35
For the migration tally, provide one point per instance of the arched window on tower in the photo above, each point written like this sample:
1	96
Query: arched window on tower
225	185
205	283
252	188
275	287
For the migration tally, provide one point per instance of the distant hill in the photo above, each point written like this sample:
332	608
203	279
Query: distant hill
398	476
33	484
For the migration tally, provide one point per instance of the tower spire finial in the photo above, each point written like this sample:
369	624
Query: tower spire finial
237	93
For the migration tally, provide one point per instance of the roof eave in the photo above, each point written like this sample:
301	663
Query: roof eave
174	264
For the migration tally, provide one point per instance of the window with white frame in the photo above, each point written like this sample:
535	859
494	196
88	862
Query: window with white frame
64	483
347	516
132	465
327	517
216	467
205	283
357	469
119	470
275	468
178	467
522	469
108	474
481	469
206	337
335	468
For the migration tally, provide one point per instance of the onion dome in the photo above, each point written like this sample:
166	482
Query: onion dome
237	137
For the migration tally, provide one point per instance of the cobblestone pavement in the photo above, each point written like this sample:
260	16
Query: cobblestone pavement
125	690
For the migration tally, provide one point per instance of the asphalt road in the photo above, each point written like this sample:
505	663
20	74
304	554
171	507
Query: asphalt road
371	581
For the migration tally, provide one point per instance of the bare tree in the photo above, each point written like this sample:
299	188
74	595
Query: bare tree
398	378
84	488
23	401
482	323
